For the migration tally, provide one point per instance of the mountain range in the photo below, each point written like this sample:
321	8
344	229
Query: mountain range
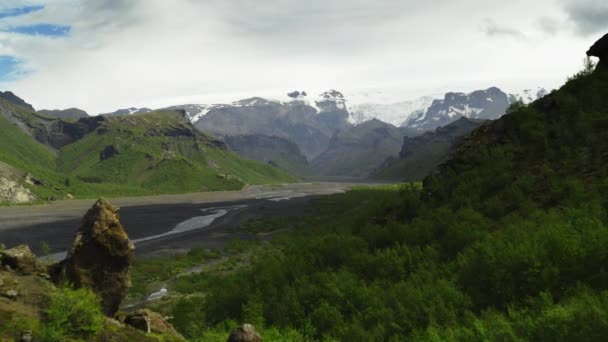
46	158
304	134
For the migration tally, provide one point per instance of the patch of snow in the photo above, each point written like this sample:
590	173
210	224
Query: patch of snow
528	96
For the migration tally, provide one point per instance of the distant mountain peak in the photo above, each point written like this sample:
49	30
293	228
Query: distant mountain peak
528	95
331	101
16	100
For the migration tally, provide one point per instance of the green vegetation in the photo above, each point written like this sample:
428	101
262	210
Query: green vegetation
506	242
71	314
146	154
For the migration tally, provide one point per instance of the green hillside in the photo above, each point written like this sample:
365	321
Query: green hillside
506	241
150	153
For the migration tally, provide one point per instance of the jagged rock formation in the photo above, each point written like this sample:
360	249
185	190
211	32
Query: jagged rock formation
100	257
600	50
245	333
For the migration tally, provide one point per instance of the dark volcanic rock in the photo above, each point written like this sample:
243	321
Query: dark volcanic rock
58	133
100	257
600	50
108	152
245	333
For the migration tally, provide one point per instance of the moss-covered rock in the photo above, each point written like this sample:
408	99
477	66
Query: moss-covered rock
100	257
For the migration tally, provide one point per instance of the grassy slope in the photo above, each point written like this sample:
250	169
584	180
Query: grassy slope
160	163
22	152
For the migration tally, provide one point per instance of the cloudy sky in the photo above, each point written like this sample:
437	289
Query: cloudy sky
103	55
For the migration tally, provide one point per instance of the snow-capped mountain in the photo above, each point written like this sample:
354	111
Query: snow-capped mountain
394	113
481	104
528	95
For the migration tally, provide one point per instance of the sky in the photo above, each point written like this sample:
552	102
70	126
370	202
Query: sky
103	55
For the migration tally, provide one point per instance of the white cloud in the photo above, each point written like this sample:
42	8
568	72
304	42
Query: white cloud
155	52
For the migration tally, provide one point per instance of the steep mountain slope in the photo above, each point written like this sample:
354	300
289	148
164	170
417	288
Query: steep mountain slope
546	152
310	127
356	151
70	113
275	151
21	155
421	154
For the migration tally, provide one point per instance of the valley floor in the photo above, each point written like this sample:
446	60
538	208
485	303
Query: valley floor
166	223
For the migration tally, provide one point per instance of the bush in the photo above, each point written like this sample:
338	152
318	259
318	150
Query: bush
71	314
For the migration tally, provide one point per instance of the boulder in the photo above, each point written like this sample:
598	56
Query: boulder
245	333
600	50
20	259
100	257
150	322
13	192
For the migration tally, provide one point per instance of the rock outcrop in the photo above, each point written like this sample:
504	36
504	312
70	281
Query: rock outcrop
13	192
108	152
20	259
150	322
600	50
245	333
100	257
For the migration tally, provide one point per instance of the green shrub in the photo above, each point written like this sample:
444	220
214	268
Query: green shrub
71	314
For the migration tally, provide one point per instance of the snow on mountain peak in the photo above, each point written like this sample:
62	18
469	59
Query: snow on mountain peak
528	95
393	113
